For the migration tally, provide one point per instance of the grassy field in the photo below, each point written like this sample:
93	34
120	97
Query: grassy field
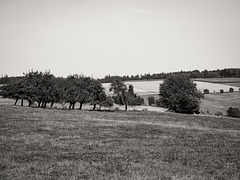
62	144
219	102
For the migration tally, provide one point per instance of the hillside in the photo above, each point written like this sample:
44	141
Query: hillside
61	144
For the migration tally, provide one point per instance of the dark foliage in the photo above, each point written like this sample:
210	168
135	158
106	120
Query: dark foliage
124	94
231	90
223	73
206	91
151	100
45	88
233	112
180	94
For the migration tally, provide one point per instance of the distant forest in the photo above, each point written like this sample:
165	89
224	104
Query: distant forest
223	73
219	73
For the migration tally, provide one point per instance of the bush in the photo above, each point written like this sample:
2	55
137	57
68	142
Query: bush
151	100
233	112
206	91
221	91
158	103
231	90
180	94
218	113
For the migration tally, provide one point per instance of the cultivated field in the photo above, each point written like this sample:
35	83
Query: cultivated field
61	144
225	81
152	87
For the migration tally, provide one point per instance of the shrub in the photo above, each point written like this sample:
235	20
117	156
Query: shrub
151	100
231	89
218	113
233	112
221	91
158	103
206	91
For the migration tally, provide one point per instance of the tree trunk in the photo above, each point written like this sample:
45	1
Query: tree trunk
21	102
80	107
29	103
73	106
51	104
44	104
126	107
94	107
16	102
70	105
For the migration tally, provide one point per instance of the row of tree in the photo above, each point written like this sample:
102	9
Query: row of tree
223	73
45	88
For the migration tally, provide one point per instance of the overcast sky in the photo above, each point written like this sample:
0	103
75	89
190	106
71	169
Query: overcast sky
118	37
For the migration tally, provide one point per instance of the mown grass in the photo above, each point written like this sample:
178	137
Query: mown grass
61	144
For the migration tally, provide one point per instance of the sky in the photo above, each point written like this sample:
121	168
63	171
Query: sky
118	37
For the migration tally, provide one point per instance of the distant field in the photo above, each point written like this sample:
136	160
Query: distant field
62	144
152	87
225	81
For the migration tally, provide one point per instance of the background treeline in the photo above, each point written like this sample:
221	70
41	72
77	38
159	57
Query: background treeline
43	88
223	73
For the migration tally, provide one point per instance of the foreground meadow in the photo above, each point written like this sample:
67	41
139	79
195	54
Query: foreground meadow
62	144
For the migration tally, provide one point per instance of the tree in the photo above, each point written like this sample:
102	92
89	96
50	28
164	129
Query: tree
15	89
97	93
231	89
206	91
179	93
124	95
119	89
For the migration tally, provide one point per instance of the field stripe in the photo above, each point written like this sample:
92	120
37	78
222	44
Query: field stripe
166	125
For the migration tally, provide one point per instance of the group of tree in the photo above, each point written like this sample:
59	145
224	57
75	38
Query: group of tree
44	88
223	73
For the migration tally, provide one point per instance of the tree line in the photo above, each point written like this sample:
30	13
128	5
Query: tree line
223	73
44	88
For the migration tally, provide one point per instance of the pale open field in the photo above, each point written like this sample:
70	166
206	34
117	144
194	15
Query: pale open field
61	144
152	87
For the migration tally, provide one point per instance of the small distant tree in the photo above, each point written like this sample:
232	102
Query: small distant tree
119	89
124	95
151	100
221	91
231	89
180	94
206	91
233	112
